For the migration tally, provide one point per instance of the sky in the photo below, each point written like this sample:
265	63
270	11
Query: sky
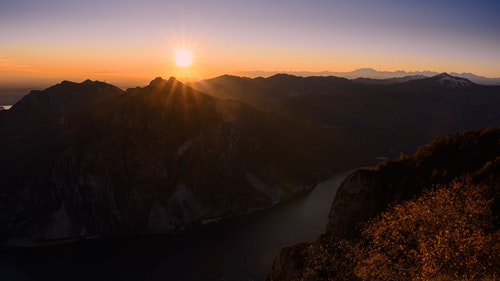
129	42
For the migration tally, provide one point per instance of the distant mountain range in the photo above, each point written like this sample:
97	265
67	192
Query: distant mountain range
9	96
375	74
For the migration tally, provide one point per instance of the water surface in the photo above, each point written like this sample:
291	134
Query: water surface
237	249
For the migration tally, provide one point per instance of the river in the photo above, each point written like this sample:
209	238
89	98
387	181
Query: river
242	248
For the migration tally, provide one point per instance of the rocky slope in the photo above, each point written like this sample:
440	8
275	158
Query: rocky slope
367	192
85	160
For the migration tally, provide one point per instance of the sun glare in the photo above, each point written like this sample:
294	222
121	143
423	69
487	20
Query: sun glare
183	58
186	59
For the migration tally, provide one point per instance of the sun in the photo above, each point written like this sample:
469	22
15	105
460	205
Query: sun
186	53
183	58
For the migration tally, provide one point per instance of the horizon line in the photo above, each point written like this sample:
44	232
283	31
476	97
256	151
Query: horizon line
124	83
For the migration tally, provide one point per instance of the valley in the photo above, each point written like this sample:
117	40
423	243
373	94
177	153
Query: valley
138	173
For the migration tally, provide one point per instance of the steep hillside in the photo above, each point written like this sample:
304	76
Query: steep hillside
367	192
376	119
85	160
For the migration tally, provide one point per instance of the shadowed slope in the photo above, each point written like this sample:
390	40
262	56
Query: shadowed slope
89	160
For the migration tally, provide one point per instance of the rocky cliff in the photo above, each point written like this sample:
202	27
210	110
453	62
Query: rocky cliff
367	192
85	160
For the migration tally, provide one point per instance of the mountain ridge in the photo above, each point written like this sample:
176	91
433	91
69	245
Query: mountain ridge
270	137
97	161
389	116
368	191
375	74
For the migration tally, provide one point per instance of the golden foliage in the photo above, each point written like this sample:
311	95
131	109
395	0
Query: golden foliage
445	233
331	262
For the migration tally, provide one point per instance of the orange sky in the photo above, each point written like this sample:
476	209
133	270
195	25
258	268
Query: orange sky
129	67
130	43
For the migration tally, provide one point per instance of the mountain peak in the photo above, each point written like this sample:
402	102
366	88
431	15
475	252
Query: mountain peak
87	83
446	80
283	76
65	83
443	75
157	81
365	69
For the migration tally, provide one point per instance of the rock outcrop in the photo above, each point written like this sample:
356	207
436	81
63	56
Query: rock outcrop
366	192
289	263
85	160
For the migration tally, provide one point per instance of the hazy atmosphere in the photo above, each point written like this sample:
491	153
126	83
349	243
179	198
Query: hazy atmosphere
249	140
131	42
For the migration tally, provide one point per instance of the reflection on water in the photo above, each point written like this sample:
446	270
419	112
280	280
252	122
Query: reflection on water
237	249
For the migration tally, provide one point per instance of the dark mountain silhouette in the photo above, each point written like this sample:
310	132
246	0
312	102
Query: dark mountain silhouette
443	80
59	104
377	119
372	74
84	160
388	81
270	93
